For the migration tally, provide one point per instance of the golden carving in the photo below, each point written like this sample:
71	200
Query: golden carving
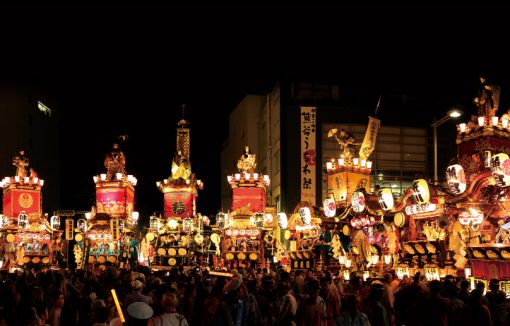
25	200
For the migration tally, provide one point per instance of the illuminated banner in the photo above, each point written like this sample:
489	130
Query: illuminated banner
341	185
69	229
17	200
114	228
253	198
370	138
115	200
179	204
308	154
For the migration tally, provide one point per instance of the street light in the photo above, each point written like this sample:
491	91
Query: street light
455	113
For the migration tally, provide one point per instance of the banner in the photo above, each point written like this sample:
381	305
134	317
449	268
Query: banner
115	200
69	229
341	185
370	138
179	204
114	228
253	198
17	200
308	154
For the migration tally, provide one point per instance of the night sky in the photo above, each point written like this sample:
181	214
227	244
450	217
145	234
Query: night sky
126	69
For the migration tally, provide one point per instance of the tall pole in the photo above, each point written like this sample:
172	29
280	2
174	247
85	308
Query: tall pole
435	152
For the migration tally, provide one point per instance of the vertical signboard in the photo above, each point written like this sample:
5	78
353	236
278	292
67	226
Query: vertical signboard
69	229
308	154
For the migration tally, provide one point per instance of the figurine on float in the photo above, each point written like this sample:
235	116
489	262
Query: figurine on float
247	161
21	162
487	100
181	167
346	142
115	162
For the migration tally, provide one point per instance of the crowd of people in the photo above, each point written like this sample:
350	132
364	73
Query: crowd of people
245	297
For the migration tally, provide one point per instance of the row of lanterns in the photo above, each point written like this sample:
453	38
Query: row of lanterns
118	176
21	180
341	163
248	177
493	121
198	183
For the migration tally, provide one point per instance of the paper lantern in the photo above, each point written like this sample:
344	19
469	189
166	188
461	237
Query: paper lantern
421	191
386	199
456	178
281	219
23	220
81	224
220	220
500	166
306	215
358	201
329	207
55	222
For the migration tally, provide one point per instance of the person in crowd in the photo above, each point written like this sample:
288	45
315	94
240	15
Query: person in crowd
375	310
497	303
352	315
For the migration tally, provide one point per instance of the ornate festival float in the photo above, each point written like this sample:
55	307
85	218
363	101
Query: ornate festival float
176	238
478	183
106	233
28	238
247	232
365	239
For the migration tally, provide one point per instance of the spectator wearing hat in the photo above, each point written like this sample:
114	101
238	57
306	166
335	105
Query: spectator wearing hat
139	313
136	294
497	303
235	304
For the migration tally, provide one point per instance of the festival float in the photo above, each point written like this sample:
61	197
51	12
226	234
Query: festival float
478	182
28	238
247	232
106	233
365	239
176	238
301	234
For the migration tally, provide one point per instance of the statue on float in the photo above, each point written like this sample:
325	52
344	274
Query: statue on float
181	167
346	142
247	161
487	99
21	162
115	162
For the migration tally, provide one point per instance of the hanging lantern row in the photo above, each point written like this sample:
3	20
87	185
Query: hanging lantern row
249	177
242	232
118	177
494	122
363	221
198	183
357	164
21	180
35	236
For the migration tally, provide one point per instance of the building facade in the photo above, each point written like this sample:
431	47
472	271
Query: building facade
401	153
30	121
